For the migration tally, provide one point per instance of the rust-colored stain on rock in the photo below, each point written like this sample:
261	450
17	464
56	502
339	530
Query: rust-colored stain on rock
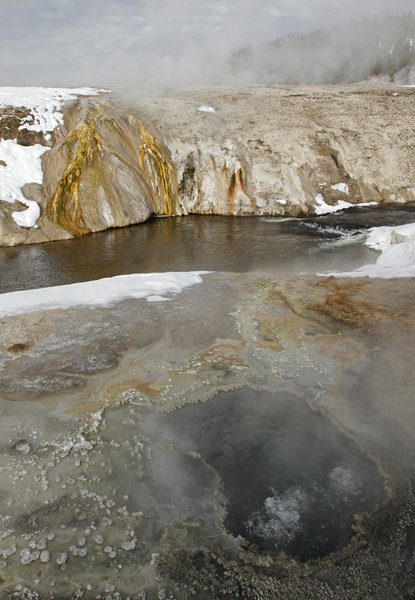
341	306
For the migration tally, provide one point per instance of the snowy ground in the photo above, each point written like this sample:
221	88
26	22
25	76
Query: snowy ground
22	164
154	287
322	208
397	258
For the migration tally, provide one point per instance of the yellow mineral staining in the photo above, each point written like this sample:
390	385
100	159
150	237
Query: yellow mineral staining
84	151
64	207
160	172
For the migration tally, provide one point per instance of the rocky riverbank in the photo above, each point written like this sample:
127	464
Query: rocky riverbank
116	158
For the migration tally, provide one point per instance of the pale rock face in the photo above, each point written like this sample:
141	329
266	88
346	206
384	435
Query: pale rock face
116	159
272	150
211	179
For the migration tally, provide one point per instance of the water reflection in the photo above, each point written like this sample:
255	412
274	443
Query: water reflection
238	244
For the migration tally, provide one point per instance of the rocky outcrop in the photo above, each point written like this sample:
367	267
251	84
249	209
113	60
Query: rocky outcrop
108	171
288	151
105	169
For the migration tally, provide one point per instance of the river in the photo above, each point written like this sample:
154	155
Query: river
238	244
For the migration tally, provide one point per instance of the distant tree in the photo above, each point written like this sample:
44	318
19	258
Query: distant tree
373	46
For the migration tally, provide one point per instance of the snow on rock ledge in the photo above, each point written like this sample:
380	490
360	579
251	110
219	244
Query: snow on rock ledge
21	164
44	104
397	258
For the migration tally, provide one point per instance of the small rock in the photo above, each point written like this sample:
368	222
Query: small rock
61	558
98	539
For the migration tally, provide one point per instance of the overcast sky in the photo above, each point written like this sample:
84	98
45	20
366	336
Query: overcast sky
130	42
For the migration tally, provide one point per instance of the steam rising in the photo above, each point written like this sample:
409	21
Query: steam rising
375	49
292	482
162	43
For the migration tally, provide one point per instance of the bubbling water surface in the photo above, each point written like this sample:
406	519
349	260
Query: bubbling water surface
293	481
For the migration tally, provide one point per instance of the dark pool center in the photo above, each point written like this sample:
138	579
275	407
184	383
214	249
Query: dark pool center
290	480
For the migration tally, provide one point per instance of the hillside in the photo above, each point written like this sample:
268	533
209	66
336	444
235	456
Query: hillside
375	49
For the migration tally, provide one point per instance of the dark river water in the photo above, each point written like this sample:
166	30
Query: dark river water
239	244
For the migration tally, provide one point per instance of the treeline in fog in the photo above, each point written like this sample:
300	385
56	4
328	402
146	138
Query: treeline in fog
373	49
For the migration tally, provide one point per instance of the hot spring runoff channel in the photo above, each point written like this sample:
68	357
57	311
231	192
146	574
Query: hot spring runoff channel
192	243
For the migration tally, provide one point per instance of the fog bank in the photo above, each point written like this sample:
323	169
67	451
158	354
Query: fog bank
164	43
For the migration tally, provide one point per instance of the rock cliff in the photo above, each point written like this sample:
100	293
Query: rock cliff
104	169
288	150
119	158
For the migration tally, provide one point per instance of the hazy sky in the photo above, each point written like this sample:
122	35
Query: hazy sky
129	42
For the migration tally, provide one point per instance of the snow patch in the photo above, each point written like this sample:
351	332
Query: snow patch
380	238
323	208
23	163
207	109
154	287
43	103
397	258
341	187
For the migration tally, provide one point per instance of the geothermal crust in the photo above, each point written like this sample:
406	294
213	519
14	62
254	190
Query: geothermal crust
266	150
97	495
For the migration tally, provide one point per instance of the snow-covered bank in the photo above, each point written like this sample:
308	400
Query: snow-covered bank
154	287
322	208
397	258
22	164
44	104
